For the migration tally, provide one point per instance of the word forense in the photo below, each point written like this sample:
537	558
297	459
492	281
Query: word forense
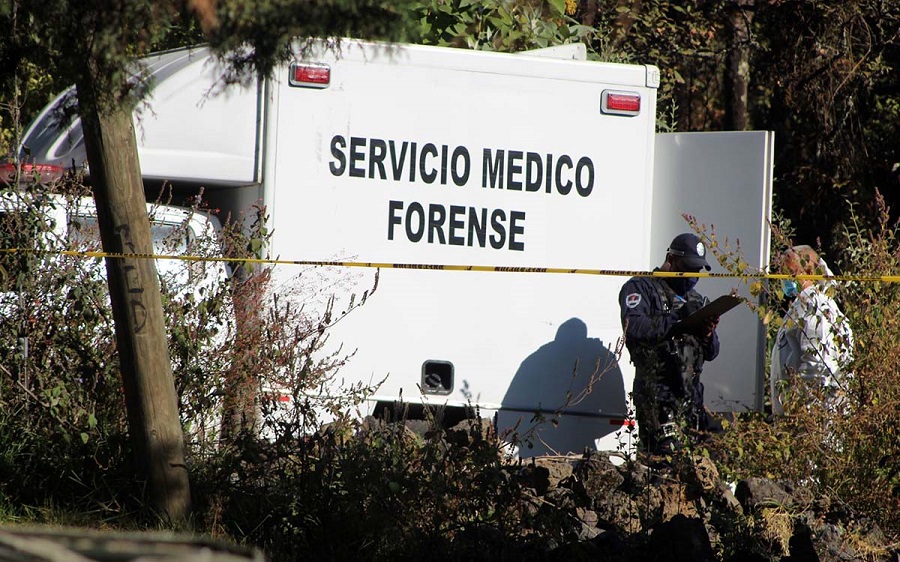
456	225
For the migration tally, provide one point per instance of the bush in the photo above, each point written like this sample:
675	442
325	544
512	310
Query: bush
382	491
237	350
852	453
61	408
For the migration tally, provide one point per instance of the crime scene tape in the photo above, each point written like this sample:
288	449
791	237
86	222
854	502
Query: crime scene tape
480	268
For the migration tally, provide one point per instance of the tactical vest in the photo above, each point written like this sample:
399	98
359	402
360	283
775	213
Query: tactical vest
678	359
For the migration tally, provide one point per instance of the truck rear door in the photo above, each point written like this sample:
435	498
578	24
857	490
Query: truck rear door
724	180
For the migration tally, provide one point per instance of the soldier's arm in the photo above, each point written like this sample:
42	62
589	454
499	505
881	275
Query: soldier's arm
711	345
637	318
709	339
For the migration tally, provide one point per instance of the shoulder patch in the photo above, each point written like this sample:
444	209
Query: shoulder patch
633	300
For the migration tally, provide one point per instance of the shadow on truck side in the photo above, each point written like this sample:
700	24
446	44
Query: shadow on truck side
575	375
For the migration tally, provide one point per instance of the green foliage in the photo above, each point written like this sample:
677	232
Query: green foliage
49	45
497	25
83	41
62	416
62	424
254	37
686	40
872	474
828	93
828	88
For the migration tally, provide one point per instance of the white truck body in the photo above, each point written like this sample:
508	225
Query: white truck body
436	157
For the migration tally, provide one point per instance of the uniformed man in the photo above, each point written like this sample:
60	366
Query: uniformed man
667	392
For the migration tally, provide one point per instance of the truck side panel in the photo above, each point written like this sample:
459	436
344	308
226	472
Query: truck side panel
441	157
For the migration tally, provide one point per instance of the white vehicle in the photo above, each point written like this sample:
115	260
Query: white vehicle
71	223
442	157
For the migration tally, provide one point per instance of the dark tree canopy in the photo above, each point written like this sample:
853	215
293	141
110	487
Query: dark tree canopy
823	75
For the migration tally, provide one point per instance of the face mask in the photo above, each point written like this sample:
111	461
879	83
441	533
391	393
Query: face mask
790	288
681	285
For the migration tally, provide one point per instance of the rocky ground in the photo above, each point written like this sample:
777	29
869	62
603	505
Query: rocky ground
680	509
685	512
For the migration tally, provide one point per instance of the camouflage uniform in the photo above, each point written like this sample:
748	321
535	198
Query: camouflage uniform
667	392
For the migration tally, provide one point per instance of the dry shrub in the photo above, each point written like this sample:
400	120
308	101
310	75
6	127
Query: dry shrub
851	452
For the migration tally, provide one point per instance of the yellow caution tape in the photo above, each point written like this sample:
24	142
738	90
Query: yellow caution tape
484	268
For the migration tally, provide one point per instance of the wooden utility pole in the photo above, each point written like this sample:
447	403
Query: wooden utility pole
150	395
737	66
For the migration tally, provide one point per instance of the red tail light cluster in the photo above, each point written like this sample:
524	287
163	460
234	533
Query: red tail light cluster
41	173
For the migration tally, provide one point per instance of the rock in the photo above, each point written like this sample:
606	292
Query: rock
367	425
748	557
831	546
555	470
680	539
602	546
687	513
623	512
801	545
586	516
725	498
833	532
597	477
530	504
470	431
754	493
419	427
702	474
609	546
371	427
562	498
587	533
539	476
677	500
637	475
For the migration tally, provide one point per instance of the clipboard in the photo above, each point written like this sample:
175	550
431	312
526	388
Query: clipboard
715	308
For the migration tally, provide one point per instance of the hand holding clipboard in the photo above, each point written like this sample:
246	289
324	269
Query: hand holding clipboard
712	310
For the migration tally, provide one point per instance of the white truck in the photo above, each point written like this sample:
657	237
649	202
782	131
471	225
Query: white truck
425	157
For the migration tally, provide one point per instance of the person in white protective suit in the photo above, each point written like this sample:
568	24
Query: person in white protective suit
815	341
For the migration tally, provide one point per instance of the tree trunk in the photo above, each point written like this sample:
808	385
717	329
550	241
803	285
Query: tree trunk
737	67
150	395
240	415
628	11
589	12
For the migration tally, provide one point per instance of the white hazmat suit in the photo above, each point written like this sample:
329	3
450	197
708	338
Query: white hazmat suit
815	343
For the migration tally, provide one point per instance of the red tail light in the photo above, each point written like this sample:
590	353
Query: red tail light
310	75
275	396
41	173
620	103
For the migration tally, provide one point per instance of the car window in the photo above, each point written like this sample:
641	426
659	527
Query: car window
168	237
